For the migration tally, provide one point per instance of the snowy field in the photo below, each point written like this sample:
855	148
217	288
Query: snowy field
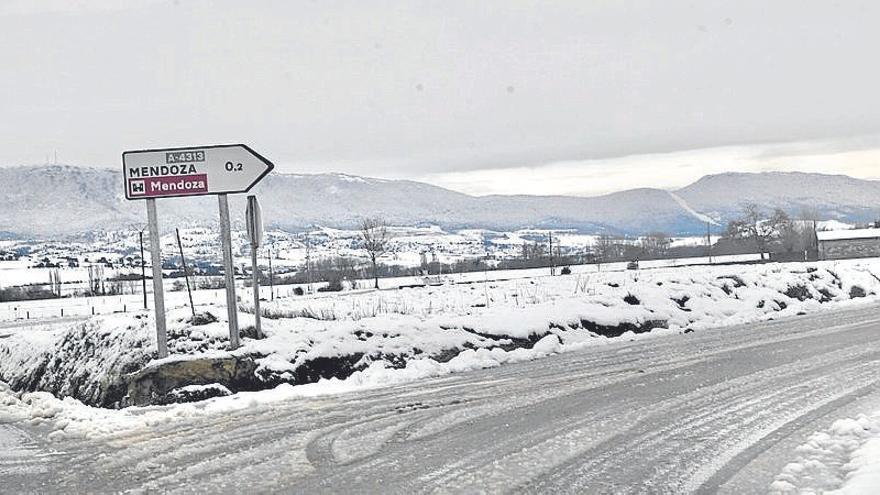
103	305
392	337
431	330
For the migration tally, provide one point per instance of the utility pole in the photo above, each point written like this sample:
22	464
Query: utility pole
552	265
185	273
814	242
486	279
709	240
309	261
271	277
143	268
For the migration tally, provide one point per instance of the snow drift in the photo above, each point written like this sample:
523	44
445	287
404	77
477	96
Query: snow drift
110	361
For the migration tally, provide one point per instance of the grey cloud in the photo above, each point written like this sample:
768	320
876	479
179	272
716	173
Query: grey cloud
412	88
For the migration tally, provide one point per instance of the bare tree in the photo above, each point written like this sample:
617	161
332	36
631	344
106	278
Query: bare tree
656	244
763	230
533	251
790	236
810	218
603	250
55	282
755	223
375	236
96	279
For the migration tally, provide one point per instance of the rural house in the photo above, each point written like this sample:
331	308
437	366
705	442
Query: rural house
842	244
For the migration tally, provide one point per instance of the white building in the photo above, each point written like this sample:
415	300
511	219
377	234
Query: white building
841	244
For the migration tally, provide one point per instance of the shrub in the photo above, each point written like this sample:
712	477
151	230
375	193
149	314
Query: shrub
799	292
856	291
737	282
334	285
26	293
202	318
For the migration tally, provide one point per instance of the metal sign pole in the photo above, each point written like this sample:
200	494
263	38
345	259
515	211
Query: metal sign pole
158	290
254	217
256	282
229	270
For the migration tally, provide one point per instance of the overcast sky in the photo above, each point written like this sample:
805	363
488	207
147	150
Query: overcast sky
573	97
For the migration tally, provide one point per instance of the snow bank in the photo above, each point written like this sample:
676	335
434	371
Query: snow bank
367	334
69	418
843	460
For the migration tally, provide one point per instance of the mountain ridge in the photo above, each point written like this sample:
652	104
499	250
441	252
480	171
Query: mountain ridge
63	200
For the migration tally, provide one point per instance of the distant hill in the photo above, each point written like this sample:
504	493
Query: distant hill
57	200
834	197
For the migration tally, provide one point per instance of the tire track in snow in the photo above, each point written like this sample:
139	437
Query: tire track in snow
661	414
719	420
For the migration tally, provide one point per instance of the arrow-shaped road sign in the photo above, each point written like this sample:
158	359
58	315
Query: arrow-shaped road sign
192	171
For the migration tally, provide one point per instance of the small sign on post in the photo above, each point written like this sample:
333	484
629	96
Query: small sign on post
254	221
192	171
254	216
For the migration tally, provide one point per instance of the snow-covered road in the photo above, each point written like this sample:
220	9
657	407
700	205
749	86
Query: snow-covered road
709	411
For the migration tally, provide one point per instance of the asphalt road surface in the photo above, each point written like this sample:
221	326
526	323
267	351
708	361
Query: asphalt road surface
707	412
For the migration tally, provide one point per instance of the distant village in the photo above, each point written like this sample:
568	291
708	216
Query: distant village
111	263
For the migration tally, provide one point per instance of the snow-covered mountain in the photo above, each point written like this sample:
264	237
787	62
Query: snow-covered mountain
56	200
837	197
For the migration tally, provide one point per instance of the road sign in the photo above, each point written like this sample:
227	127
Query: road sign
192	171
195	171
254	217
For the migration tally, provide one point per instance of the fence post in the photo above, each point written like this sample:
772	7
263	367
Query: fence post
62	312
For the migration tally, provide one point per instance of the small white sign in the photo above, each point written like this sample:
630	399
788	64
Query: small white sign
254	218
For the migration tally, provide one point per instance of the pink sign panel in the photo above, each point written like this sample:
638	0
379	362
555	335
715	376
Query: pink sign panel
157	187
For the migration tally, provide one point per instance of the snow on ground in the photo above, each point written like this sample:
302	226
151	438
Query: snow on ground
403	335
844	460
100	305
70	418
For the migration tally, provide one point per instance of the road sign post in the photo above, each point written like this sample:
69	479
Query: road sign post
158	288
192	171
254	216
228	271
